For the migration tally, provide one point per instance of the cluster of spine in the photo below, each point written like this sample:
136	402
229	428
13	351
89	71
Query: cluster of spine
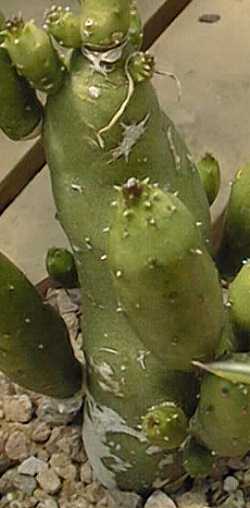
168	362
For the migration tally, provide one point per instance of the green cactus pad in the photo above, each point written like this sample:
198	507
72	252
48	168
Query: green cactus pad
61	267
35	350
239	304
209	171
32	53
221	421
235	247
64	25
104	23
170	275
165	425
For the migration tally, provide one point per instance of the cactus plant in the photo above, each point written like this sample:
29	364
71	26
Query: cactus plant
136	213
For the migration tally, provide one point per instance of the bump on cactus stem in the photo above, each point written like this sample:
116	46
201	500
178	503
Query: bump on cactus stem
61	267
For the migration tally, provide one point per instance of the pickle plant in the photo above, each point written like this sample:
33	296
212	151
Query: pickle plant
133	205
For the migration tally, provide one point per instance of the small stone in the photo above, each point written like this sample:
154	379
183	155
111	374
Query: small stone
230	484
209	18
17	408
86	473
59	412
124	500
160	500
25	484
42	454
192	500
62	465
41	433
16	447
31	466
48	503
49	481
235	500
246	478
94	492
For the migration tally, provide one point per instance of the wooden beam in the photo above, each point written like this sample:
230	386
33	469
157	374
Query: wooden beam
21	175
161	20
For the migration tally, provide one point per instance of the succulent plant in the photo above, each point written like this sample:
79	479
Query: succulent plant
135	209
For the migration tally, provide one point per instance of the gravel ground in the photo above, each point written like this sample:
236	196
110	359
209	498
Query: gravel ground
43	463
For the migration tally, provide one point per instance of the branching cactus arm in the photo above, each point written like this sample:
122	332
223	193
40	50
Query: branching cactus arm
20	111
34	56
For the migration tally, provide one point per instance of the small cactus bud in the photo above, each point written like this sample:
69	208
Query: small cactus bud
165	425
61	267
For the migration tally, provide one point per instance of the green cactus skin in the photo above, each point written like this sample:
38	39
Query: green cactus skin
165	425
32	53
64	26
101	127
104	24
154	286
61	267
221	421
209	171
235	246
198	461
229	342
35	351
117	130
20	110
239	304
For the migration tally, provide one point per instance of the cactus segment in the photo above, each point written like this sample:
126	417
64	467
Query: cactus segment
239	303
198	461
104	24
165	425
61	267
35	350
135	33
235	247
154	285
221	421
64	26
209	171
20	110
116	130
32	53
